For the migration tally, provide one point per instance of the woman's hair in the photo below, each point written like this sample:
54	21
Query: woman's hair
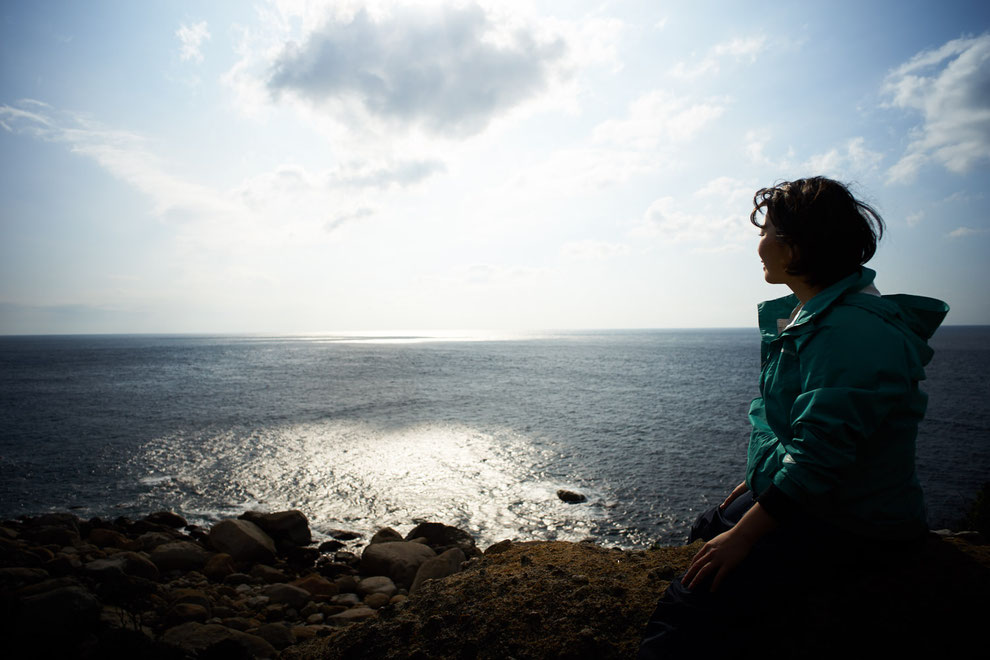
831	232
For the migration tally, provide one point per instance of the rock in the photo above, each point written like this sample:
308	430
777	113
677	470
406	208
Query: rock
182	612
345	557
378	584
179	555
344	535
104	538
239	622
398	560
278	635
70	606
496	548
52	535
438	567
197	638
151	540
316	585
333	570
315	619
330	546
194	596
17	575
242	540
219	567
290	526
347	600
238	578
385	535
166	518
570	496
376	601
347	583
440	537
66	520
288	594
267	574
359	613
126	563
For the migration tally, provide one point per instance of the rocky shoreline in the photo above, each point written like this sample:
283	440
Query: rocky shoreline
258	587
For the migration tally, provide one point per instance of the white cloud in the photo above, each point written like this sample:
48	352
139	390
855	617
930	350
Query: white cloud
448	69
962	232
736	50
590	250
123	154
728	190
914	219
847	161
659	117
191	38
288	205
949	87
714	218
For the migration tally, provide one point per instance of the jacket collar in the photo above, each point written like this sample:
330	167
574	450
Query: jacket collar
781	308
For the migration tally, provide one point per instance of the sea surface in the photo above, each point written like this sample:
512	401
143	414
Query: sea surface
476	431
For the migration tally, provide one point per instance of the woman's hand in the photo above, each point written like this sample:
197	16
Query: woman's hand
717	557
723	553
736	492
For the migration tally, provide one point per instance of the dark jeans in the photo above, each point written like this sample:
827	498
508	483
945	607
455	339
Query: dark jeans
744	610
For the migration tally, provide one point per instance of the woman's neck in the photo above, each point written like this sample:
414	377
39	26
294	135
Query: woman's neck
803	290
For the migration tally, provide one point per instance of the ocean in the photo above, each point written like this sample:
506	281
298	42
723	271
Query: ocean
364	431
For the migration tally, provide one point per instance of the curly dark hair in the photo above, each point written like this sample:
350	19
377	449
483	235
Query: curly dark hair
831	232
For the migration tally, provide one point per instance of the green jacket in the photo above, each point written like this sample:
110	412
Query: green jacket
836	424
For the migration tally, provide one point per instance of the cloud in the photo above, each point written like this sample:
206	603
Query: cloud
714	218
589	250
949	87
123	154
659	117
449	69
914	219
962	232
286	205
728	190
400	173
342	219
191	38
847	161
296	183
738	49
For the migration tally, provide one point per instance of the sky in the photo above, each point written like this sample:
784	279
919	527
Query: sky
296	166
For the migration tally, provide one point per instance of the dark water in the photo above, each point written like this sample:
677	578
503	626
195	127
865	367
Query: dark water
475	432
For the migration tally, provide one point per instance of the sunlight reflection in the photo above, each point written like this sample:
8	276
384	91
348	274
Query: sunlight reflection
363	477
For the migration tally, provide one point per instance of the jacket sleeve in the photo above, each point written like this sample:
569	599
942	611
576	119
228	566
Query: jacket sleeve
852	376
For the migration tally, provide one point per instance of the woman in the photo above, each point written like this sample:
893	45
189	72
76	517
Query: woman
830	466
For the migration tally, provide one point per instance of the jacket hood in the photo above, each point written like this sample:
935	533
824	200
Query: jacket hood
917	317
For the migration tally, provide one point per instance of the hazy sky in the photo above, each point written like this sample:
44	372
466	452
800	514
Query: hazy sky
297	166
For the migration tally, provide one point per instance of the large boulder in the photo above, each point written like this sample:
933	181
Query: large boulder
70	606
166	518
127	563
441	537
286	593
179	555
242	540
378	584
446	564
317	585
290	526
196	638
398	560
385	535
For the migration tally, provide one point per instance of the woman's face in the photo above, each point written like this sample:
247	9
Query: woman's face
775	255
